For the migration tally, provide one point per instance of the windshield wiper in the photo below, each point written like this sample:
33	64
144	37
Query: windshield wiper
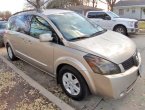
78	38
98	33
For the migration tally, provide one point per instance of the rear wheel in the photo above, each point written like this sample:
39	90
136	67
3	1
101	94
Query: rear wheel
121	29
73	83
1	42
10	52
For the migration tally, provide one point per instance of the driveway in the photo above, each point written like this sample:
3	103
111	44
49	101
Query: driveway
134	100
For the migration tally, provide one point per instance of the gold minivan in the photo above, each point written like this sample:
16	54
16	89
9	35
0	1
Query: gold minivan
82	56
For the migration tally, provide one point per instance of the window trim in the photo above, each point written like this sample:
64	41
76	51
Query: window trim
35	15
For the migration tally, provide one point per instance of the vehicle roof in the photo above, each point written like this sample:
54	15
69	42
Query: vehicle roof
45	12
99	11
54	11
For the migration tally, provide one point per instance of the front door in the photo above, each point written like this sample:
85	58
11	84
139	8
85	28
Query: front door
39	53
100	19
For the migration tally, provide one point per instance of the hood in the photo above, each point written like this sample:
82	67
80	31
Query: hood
124	19
109	45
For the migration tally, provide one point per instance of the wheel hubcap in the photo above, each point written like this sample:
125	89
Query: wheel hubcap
120	30
71	84
10	52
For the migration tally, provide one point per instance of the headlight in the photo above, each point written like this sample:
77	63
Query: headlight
101	66
131	23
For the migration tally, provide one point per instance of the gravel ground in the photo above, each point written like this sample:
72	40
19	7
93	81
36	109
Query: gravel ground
17	94
50	84
43	78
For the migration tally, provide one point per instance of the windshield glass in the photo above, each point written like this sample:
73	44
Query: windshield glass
74	26
2	25
113	15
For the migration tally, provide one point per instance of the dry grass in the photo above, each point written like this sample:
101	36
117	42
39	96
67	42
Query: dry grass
141	25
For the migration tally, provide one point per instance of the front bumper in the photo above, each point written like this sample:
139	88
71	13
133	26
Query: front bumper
132	30
118	85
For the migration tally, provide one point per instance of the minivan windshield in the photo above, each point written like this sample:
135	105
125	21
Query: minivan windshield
74	26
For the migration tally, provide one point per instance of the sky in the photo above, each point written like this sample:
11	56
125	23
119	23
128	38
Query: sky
18	5
12	5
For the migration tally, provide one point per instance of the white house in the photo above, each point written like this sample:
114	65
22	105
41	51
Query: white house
130	9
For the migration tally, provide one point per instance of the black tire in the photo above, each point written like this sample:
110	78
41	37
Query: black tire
12	57
122	28
1	44
82	83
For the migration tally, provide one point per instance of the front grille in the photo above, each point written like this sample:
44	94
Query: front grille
133	61
136	24
128	63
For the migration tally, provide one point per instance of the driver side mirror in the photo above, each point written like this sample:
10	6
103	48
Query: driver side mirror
107	18
46	37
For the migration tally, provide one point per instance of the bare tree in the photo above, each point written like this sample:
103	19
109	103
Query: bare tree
95	3
5	15
1	15
37	4
110	3
63	3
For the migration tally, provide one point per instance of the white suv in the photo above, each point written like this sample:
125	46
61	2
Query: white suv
111	21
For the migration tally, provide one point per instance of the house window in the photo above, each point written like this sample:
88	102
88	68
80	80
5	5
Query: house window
133	10
121	11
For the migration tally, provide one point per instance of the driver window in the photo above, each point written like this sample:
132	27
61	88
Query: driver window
39	26
103	15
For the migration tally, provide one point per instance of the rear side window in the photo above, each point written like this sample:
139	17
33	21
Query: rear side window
20	23
11	23
101	15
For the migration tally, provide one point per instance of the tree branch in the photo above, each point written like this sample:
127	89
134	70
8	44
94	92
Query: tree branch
102	1
45	2
33	4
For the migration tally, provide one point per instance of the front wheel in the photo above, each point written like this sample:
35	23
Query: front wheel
10	52
121	29
72	83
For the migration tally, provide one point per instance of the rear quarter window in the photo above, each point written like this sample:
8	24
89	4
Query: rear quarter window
20	23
